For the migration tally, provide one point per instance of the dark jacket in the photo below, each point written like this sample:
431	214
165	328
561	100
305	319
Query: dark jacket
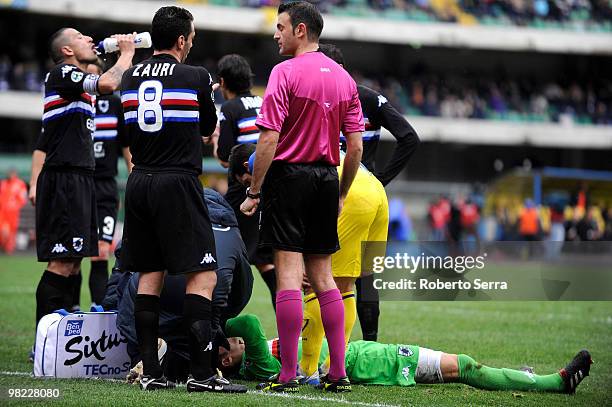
231	294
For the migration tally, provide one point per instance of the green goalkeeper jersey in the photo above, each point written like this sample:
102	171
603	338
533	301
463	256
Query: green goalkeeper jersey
366	362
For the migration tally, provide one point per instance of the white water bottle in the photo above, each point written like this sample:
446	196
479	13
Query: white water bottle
109	45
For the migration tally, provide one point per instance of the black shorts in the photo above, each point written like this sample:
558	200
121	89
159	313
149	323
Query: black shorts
300	208
65	214
107	203
167	226
249	226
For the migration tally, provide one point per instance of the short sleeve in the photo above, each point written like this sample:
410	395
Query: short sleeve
69	81
275	106
353	119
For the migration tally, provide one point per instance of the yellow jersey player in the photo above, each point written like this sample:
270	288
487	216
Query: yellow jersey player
364	217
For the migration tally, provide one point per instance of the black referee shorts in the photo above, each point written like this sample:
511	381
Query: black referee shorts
248	225
107	203
300	208
167	226
65	214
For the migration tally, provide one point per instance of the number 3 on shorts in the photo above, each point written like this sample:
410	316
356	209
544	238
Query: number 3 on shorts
109	226
150	114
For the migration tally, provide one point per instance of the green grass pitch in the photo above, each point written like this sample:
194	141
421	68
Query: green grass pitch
545	335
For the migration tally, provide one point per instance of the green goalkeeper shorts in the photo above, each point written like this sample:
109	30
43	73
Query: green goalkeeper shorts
377	363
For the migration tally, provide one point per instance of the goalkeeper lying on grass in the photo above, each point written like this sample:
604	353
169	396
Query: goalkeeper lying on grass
253	357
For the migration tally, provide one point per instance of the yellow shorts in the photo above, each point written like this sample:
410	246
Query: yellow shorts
364	217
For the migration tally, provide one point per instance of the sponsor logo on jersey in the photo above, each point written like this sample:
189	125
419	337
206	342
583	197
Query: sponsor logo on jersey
77	243
91	125
404	351
66	69
406	372
76	76
59	248
381	100
208	258
73	327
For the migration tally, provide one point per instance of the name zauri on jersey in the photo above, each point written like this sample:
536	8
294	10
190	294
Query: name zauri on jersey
159	69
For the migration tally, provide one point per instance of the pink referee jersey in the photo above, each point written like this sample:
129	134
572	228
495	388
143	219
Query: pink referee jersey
309	100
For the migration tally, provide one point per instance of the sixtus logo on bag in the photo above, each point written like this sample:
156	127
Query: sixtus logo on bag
87	347
73	328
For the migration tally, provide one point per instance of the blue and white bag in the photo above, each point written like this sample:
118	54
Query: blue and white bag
83	344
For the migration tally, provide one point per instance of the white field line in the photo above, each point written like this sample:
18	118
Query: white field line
5	373
259	393
316	398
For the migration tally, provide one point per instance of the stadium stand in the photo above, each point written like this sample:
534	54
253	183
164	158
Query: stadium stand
436	95
487	88
566	14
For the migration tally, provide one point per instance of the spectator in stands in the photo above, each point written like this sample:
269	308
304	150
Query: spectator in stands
437	221
5	72
529	222
470	217
557	230
587	228
607	233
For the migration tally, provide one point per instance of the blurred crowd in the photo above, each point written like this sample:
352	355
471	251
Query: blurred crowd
20	76
575	220
567	13
477	97
471	96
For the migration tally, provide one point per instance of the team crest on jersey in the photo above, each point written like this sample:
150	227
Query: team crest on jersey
76	76
404	351
77	243
103	105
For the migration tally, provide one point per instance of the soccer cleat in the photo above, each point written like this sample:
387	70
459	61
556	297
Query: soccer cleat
576	371
292	386
341	385
215	384
152	383
312	380
136	372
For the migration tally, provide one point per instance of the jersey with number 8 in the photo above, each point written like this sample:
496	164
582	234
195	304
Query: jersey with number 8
168	107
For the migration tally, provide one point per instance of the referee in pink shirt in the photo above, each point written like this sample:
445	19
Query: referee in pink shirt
309	100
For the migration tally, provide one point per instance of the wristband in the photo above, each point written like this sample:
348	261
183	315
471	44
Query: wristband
252	196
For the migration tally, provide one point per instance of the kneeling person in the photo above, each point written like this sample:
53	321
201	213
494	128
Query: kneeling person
364	217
